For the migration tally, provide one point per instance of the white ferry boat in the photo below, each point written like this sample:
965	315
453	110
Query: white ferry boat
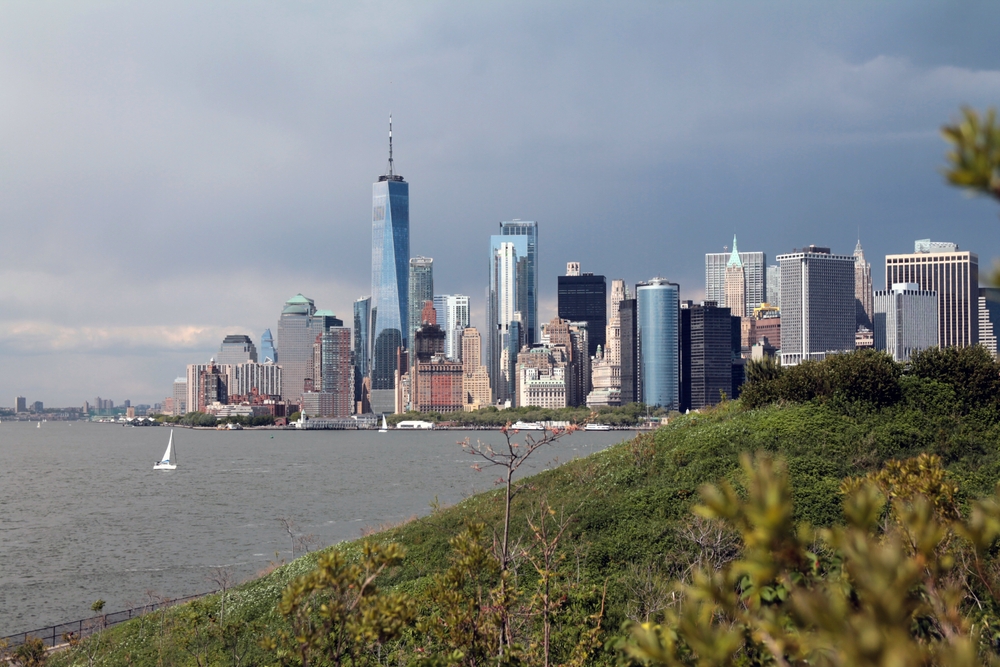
596	427
414	425
527	426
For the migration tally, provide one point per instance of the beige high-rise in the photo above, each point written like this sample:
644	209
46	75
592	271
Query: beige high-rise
475	378
736	284
954	275
864	295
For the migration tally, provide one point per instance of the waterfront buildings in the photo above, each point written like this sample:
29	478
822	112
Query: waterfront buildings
754	272
954	276
421	290
20	404
453	317
332	370
863	292
390	289
818	314
512	297
236	349
582	297
905	320
267	349
658	333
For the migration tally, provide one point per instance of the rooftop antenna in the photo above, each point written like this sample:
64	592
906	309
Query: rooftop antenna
390	144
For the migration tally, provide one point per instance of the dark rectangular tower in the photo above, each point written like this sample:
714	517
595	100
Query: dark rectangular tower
584	298
628	313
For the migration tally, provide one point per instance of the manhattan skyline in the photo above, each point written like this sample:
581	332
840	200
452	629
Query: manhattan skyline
174	173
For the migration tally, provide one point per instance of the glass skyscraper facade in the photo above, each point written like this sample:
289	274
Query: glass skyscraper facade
584	298
659	338
362	343
513	289
390	278
296	334
267	349
453	317
421	291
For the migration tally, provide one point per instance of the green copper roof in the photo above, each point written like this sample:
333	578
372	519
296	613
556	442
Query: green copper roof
298	305
324	313
298	299
734	258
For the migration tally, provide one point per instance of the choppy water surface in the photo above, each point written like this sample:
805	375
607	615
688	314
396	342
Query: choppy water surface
84	516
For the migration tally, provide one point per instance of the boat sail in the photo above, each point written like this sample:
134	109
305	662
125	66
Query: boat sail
169	461
385	427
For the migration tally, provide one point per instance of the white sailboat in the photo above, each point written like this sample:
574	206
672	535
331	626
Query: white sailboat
385	426
169	461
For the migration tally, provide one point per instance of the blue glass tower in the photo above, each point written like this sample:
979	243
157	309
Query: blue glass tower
267	350
362	344
513	289
659	340
390	289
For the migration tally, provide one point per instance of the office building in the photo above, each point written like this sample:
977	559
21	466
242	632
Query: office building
543	376
296	333
421	290
628	313
989	317
20	404
905	320
736	285
236	349
362	351
573	338
267	349
475	378
212	387
583	297
332	372
754	272
659	343
453	317
437	385
390	278
504	318
249	380
179	402
605	378
773	277
954	276
863	292
612	336
818	315
513	288
706	355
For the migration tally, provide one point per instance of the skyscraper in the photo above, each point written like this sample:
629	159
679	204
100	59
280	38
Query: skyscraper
236	349
754	272
267	350
989	317
299	325
180	397
954	276
335	375
584	298
390	289
362	345
475	378
817	296
421	290
736	285
774	285
505	262
629	351
863	292
453	317
707	354
659	342
905	320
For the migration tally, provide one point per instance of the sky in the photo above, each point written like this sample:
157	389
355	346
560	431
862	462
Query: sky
172	172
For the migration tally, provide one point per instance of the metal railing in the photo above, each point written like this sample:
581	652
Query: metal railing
55	635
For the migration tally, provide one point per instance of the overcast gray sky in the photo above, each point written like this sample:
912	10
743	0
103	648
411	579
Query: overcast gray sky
171	172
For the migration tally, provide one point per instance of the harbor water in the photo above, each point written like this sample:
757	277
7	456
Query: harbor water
83	515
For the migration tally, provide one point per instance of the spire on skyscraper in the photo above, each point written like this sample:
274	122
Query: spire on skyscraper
390	144
734	258
390	175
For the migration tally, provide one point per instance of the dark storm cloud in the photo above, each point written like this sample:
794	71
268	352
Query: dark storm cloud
170	172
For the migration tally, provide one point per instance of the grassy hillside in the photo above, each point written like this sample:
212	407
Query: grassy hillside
631	527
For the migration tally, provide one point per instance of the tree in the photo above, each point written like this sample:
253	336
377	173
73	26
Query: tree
336	610
974	161
882	589
971	371
509	457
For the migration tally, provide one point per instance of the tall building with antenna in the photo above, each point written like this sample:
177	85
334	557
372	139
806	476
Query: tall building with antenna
390	289
754	266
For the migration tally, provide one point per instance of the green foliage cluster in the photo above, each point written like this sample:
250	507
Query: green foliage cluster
627	415
868	379
625	528
202	419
